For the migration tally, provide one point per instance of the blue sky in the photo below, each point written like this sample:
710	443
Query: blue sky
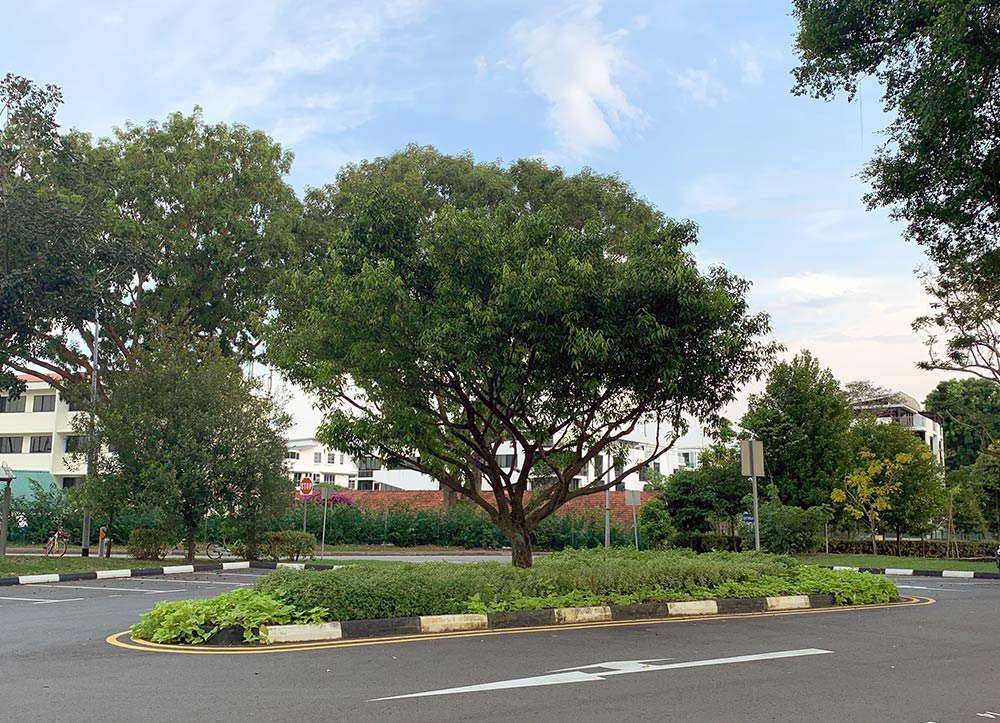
688	100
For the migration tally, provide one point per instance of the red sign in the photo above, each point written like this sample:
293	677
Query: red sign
306	485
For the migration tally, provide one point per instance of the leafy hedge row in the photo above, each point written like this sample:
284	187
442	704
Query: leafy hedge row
916	548
462	525
582	577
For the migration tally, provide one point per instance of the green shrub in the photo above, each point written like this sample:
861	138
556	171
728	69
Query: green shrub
148	543
194	621
785	529
289	545
916	548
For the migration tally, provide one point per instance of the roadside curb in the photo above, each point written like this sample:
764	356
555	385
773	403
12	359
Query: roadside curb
436	624
145	571
918	573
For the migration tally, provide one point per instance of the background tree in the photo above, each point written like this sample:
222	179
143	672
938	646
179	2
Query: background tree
445	307
179	221
966	510
691	504
867	492
803	418
191	435
970	410
986	477
939	169
917	504
864	390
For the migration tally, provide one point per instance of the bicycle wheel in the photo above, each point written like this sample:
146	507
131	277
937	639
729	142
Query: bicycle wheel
60	548
214	550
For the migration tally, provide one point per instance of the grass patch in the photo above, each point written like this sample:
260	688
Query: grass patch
905	563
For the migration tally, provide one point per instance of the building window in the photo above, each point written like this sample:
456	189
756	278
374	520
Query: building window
331	458
7	405
75	443
506	461
329	477
291	455
71	481
574	483
341	457
44	403
41	444
317	458
11	445
365	484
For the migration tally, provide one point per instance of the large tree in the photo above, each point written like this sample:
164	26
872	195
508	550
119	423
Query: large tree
939	170
917	504
970	410
191	434
444	308
182	221
985	474
803	417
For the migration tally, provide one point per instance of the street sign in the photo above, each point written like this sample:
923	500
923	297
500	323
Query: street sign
748	518
306	485
752	458
326	493
632	498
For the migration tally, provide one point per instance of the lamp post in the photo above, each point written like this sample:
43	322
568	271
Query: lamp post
6	476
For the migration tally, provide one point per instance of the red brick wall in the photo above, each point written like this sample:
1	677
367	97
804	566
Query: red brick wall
621	515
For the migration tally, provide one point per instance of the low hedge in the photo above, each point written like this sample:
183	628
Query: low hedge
578	577
289	545
916	548
148	543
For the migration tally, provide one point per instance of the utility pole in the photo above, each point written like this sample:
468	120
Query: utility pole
92	446
6	476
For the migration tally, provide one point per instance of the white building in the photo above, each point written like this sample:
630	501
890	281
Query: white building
905	410
307	457
36	437
371	474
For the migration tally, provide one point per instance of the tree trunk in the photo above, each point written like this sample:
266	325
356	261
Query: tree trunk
190	542
520	546
872	527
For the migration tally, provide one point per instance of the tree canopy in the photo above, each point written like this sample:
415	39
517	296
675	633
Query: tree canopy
970	410
802	417
180	221
190	435
446	307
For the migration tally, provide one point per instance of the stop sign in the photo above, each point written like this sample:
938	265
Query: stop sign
306	485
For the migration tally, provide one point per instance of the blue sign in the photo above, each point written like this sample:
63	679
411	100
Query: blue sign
747	518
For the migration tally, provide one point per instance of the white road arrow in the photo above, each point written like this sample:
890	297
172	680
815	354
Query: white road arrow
611	668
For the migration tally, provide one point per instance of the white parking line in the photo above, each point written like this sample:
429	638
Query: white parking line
36	601
200	582
115	589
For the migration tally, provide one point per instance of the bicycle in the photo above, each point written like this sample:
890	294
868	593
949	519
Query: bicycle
217	550
56	546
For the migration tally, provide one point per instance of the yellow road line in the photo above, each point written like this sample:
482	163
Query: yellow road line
124	640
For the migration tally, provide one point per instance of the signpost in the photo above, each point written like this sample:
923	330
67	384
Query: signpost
6	476
325	493
633	499
305	488
752	466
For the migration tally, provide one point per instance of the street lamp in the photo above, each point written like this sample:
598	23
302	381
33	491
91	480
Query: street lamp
6	476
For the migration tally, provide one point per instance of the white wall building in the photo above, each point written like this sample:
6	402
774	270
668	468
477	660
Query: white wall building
307	457
372	474
905	410
36	435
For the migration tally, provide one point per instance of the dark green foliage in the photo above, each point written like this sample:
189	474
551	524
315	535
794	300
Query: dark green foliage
44	510
802	417
970	412
690	503
656	528
985	476
573	577
462	304
289	545
917	548
785	529
148	543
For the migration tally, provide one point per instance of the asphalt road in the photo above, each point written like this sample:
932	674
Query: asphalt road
930	662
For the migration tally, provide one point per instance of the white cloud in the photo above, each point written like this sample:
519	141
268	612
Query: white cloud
701	86
572	63
750	60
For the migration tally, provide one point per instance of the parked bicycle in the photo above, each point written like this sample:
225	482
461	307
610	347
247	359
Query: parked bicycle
217	550
56	546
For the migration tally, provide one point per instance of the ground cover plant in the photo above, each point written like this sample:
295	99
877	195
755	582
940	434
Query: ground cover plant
899	563
572	578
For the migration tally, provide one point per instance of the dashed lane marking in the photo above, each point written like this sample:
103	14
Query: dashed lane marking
43	601
124	640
